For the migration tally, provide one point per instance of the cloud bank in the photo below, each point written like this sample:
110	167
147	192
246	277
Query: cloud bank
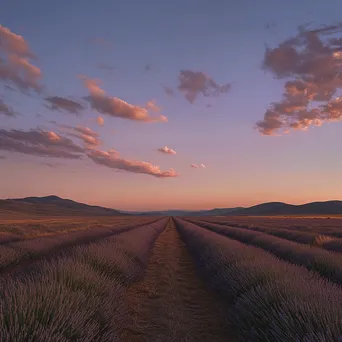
50	144
40	143
311	64
115	107
112	160
15	65
167	150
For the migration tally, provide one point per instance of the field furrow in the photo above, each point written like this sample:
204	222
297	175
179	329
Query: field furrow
19	255
266	299
319	238
79	296
323	225
326	264
171	303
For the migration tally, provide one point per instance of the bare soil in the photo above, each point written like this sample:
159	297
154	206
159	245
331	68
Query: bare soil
171	303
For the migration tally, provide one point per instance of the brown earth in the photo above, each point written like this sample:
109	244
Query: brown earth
171	303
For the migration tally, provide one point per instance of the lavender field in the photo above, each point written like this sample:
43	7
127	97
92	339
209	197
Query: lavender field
171	279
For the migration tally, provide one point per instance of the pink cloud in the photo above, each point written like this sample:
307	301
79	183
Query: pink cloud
40	143
112	160
198	166
167	150
86	131
151	105
312	60
87	135
100	120
116	107
193	83
14	62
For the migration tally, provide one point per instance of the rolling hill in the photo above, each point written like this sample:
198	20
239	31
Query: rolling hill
53	206
175	212
56	206
279	208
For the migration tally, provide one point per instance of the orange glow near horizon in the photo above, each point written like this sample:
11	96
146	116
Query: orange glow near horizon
161	116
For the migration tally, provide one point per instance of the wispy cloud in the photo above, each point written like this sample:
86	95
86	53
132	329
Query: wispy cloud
39	142
167	150
151	105
112	160
15	66
198	166
169	91
2	157
312	60
194	83
116	107
87	135
64	104
100	120
5	109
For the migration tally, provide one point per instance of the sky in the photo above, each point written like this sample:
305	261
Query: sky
152	105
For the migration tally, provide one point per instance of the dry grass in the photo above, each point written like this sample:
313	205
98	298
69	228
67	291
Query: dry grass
25	228
171	303
320	240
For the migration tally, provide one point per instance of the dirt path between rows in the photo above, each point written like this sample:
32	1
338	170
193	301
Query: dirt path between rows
171	303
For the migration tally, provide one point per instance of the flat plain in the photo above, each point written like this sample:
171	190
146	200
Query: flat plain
133	278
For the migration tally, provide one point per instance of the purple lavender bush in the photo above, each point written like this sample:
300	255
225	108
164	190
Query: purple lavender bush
324	239
266	299
326	263
39	247
79	295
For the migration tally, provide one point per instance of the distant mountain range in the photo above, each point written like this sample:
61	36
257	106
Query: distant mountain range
53	206
56	206
279	208
211	212
267	209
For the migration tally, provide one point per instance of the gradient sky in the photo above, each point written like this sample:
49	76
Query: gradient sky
136	50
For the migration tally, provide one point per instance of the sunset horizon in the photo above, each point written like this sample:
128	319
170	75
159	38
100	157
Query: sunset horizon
206	111
171	171
189	209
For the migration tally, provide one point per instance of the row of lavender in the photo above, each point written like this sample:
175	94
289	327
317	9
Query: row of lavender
14	253
325	263
15	230
266	299
80	295
325	241
9	232
324	225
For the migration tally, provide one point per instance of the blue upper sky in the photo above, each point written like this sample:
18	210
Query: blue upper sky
136	49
